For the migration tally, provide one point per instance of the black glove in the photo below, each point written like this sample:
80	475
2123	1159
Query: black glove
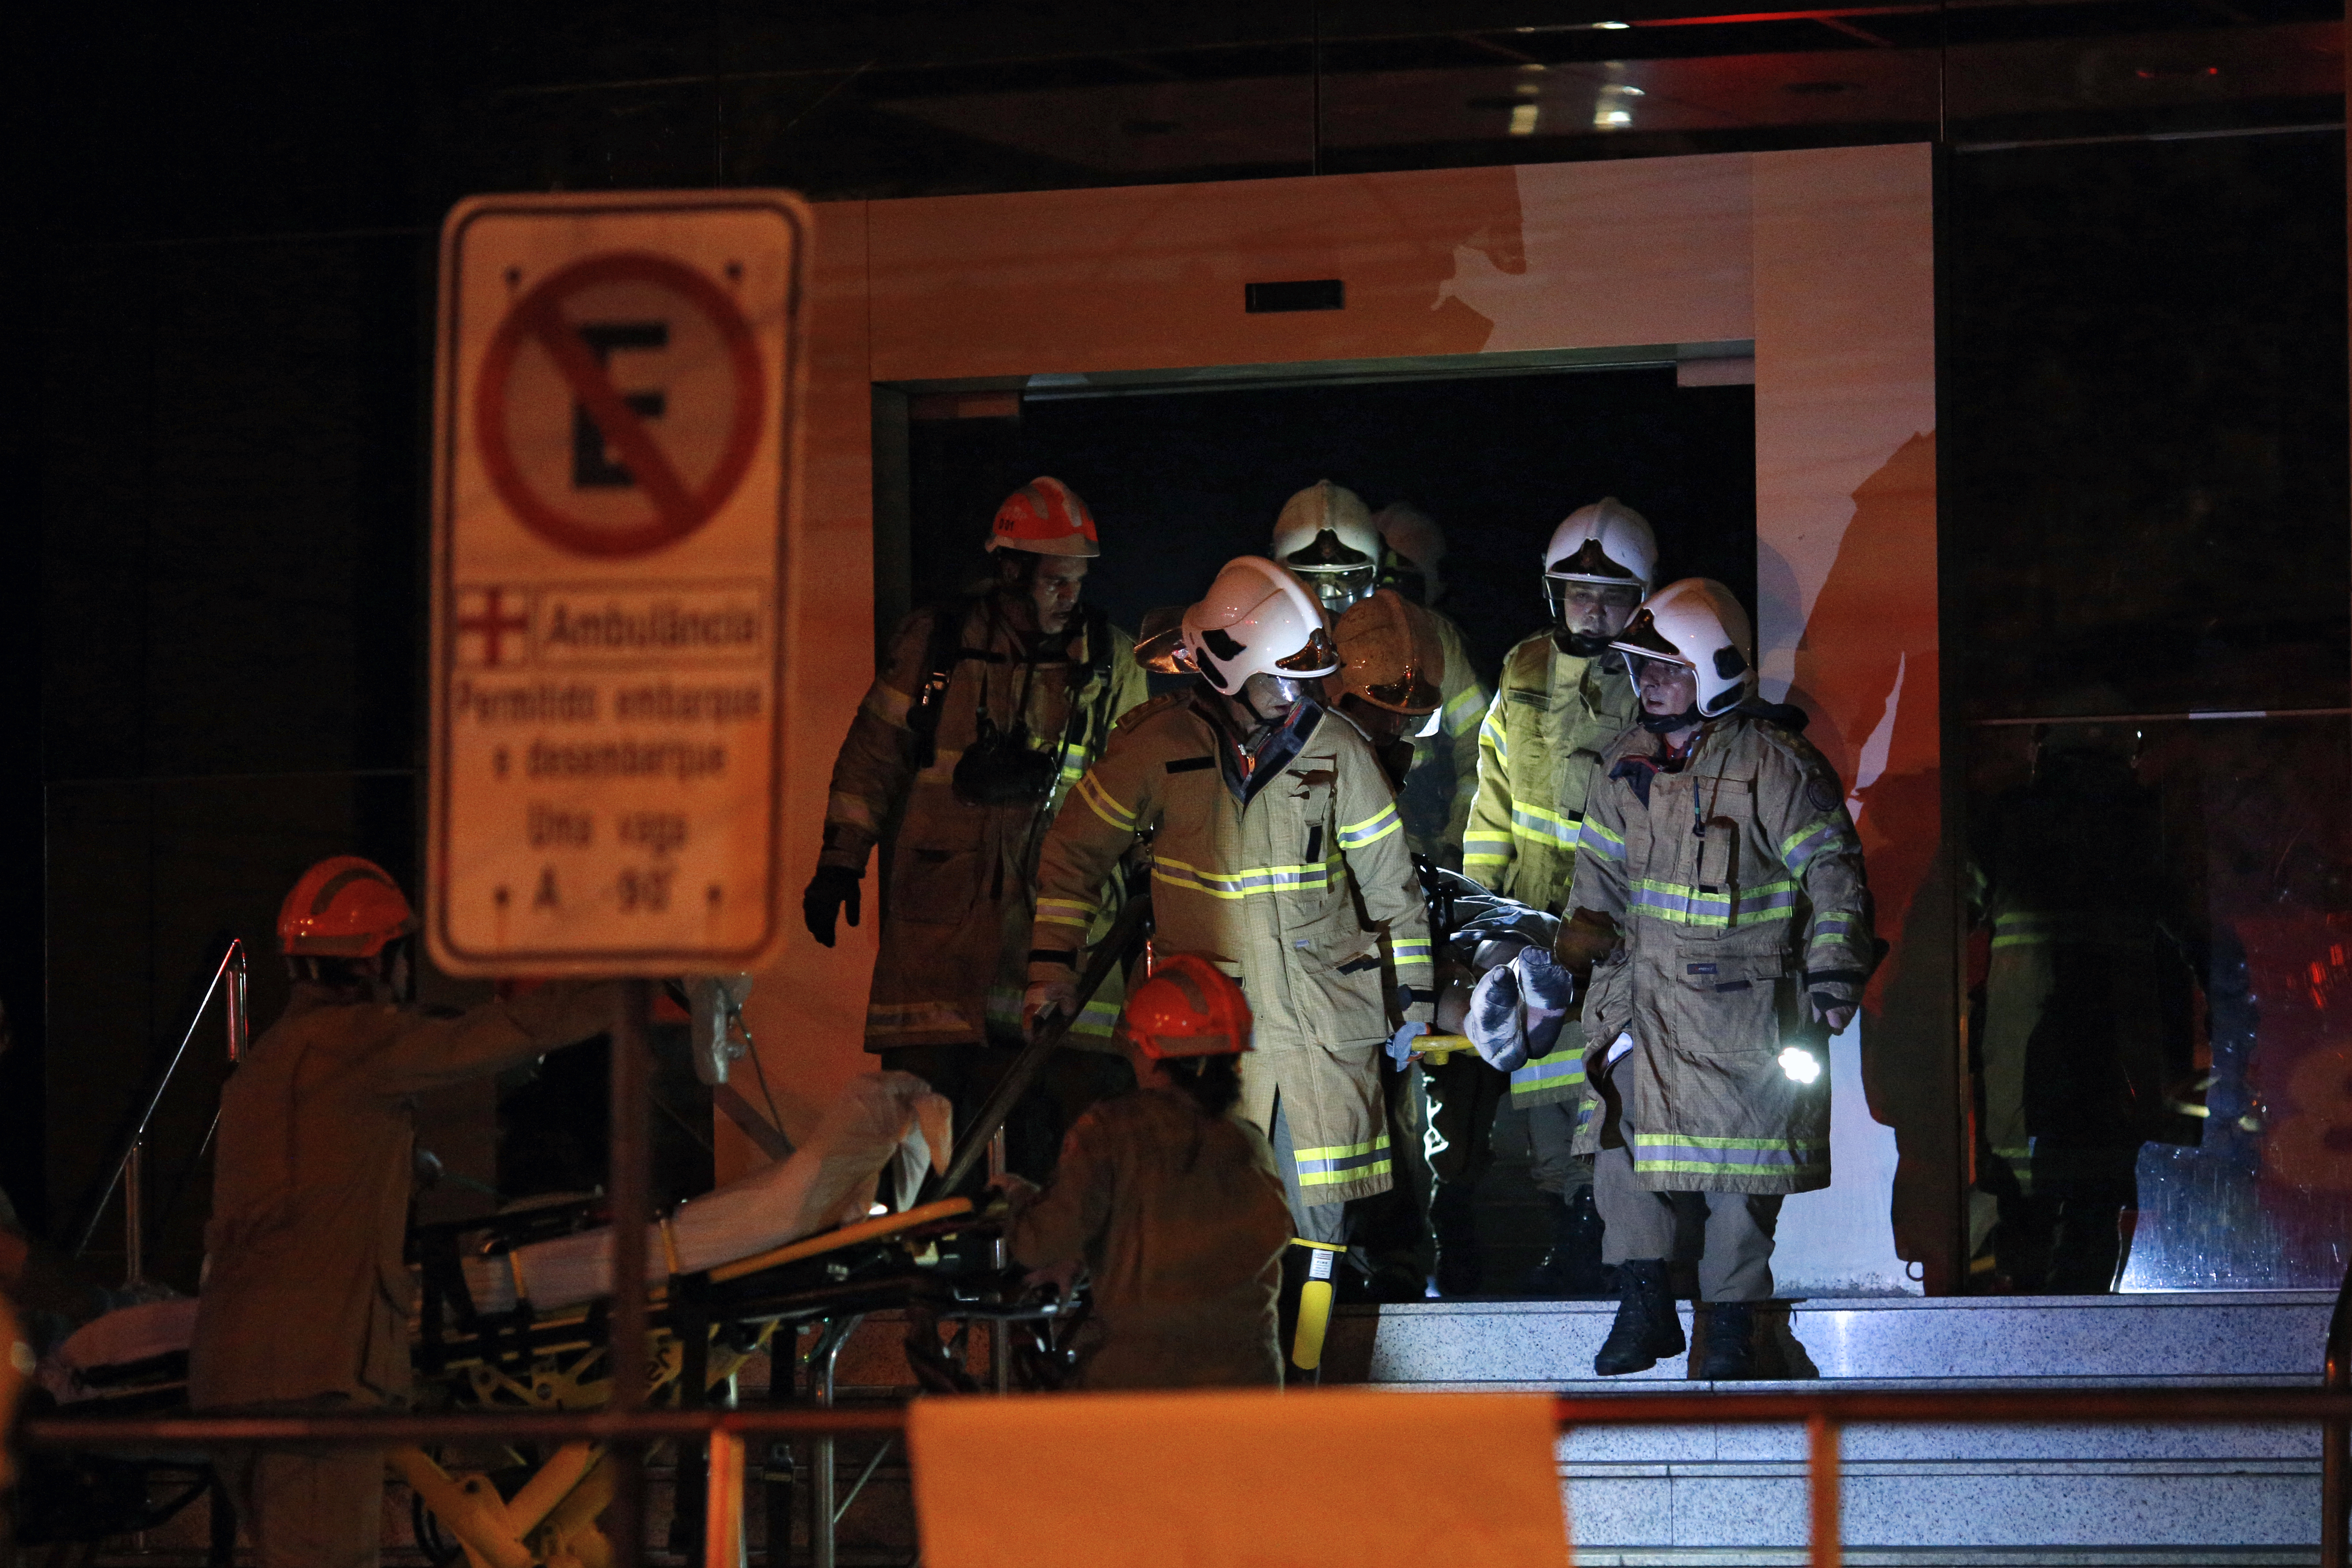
832	891
1834	995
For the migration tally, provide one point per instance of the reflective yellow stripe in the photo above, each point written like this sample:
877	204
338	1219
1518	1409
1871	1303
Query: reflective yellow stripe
856	811
886	703
1491	733
1099	801
1547	827
1243	883
1344	1151
1343	1161
1591	834
1373	829
1380	1167
1066	913
1469	701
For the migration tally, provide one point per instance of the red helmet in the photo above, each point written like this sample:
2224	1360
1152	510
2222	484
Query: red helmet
343	907
1188	1008
1046	517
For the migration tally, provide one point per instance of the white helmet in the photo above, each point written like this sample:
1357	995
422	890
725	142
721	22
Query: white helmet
1413	536
1698	624
1607	542
1326	535
1255	619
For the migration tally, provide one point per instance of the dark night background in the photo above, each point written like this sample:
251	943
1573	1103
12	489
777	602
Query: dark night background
213	413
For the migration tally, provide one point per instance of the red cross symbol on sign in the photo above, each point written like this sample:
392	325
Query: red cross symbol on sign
492	622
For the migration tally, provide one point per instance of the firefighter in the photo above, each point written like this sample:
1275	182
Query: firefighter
2087	1045
1329	539
1716	844
1172	1203
1563	698
1391	678
306	1298
1278	854
984	716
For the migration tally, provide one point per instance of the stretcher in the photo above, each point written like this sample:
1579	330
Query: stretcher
514	1315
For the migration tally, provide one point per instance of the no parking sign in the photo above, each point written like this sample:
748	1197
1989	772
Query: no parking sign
615	462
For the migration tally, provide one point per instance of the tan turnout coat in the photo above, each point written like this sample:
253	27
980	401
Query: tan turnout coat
1738	877
1540	746
1305	892
1180	1221
956	896
305	1294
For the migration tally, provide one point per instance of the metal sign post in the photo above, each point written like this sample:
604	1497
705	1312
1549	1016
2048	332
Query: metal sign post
616	464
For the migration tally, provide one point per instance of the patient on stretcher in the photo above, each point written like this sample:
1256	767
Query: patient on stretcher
882	1121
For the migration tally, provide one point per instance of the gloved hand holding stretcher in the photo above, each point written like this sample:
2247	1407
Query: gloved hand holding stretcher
1516	1013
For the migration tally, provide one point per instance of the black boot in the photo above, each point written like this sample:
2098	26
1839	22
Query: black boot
1461	1267
1572	1269
1730	1342
1646	1327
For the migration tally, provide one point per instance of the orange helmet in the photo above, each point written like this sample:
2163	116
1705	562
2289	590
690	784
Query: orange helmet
1044	517
343	907
1389	656
1188	1008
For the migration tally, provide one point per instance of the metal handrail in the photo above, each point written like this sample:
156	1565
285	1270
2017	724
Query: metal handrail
1878	1407
128	1148
2106	1406
1823	1414
2335	1438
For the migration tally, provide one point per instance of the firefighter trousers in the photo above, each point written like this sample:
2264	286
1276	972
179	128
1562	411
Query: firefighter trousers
1734	1261
1311	1222
307	1510
1556	1169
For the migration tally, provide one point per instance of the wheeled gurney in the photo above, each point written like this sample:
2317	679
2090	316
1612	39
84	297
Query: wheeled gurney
515	1311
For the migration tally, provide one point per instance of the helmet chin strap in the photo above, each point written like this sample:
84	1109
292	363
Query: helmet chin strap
1578	645
1668	724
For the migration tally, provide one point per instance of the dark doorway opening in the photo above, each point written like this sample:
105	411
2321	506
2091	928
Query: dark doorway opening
1182	482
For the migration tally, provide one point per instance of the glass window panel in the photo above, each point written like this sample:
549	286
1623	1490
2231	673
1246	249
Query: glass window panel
2144	480
2160	949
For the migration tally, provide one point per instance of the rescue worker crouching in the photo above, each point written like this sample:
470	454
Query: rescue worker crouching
1279	856
1718	843
1332	542
985	713
1170	1203
1562	698
306	1299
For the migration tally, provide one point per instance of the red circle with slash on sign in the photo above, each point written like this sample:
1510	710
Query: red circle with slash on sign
678	507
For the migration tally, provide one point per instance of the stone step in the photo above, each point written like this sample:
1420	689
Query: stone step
2188	1339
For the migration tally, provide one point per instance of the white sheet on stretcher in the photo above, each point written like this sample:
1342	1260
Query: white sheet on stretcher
828	1180
882	1119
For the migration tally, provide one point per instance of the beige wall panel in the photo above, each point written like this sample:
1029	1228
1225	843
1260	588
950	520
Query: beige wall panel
1648	250
1151	276
808	1013
1845	503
